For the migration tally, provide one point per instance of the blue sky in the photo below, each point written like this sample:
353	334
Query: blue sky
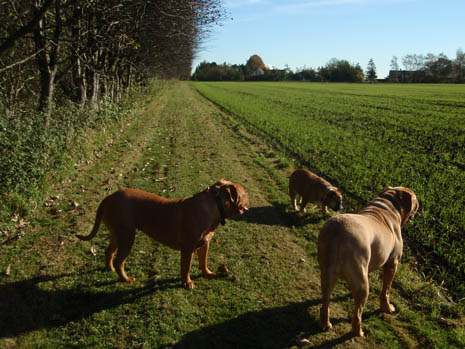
309	33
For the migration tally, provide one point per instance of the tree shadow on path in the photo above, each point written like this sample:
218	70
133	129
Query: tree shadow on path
25	306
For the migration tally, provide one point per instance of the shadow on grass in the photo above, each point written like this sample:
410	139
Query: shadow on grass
25	306
279	214
279	327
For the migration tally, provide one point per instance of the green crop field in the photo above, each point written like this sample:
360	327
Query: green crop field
365	137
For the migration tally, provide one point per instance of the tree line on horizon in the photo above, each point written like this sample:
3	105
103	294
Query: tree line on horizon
428	68
255	70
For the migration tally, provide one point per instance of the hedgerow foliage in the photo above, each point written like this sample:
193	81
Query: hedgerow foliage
70	65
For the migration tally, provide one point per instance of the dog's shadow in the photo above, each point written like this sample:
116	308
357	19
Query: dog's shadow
279	214
278	327
28	306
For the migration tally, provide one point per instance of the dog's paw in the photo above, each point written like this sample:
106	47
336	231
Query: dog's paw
388	308
326	327
188	285
208	274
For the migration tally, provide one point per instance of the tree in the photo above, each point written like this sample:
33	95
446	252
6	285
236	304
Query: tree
394	64
371	71
93	50
438	68
341	71
253	63
459	66
413	62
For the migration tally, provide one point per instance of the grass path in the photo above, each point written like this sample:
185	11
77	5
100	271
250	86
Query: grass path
58	293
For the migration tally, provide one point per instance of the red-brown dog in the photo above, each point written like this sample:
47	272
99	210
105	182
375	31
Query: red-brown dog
305	187
185	224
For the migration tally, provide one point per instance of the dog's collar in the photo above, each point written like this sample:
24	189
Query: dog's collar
216	196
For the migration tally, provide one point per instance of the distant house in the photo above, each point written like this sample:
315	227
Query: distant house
401	75
258	72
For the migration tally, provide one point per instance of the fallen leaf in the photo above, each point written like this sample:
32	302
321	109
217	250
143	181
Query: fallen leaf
8	269
93	251
222	269
74	204
21	223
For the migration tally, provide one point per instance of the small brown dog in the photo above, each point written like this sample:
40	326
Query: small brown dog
305	187
352	245
185	224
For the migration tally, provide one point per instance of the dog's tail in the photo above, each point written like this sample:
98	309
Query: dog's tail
98	219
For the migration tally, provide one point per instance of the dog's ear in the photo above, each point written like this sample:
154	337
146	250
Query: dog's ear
231	194
408	203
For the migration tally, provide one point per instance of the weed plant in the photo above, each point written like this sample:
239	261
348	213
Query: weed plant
33	146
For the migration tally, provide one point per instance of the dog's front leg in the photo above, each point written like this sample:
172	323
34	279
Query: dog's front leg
389	270
202	253
186	262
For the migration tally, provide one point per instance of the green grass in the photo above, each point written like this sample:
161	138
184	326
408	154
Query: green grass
365	137
58	293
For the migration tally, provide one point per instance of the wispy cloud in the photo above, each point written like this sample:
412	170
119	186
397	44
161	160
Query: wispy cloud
296	7
241	3
299	6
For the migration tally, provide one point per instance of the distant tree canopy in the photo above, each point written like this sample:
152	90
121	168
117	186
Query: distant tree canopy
429	68
219	72
95	49
341	71
334	71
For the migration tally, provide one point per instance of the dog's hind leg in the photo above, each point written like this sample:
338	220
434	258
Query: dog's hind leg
328	281
125	241
359	286
110	253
